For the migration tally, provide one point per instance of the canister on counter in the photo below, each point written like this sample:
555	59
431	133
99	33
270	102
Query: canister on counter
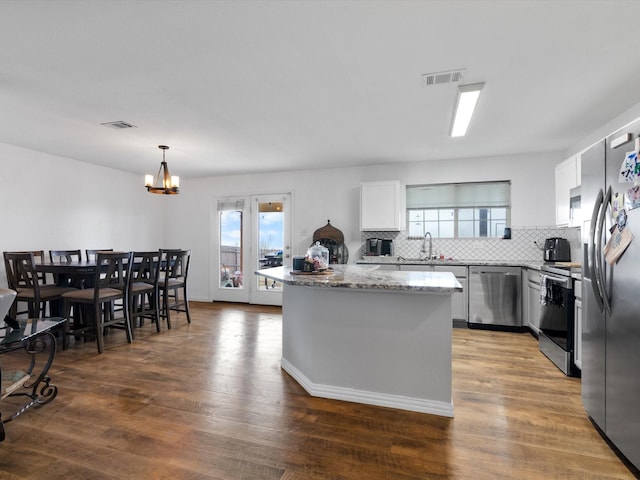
297	263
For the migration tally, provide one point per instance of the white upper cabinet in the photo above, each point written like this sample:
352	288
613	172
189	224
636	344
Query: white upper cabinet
567	177
382	206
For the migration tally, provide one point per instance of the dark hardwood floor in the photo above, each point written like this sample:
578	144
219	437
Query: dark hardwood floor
209	401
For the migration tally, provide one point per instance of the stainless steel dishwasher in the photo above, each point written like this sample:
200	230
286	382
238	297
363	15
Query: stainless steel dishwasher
495	297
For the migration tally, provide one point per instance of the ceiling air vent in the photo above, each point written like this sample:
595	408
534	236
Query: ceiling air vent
439	78
118	125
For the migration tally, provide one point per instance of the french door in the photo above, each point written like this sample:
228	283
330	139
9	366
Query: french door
251	233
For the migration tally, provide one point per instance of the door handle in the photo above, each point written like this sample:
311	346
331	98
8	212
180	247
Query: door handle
600	272
591	256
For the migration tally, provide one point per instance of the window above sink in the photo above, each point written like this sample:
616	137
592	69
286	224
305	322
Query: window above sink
459	210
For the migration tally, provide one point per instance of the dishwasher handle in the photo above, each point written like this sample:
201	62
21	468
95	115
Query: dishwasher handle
504	271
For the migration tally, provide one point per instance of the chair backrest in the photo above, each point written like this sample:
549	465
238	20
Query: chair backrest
92	255
146	267
113	270
21	270
175	264
65	256
38	257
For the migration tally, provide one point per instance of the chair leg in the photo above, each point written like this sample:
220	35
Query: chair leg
99	312
154	301
127	321
66	329
186	303
166	307
138	304
151	300
136	312
32	311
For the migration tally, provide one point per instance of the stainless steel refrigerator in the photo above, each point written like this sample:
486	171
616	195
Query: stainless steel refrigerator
611	298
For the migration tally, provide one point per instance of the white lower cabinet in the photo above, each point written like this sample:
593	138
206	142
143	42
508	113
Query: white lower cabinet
459	300
533	300
577	312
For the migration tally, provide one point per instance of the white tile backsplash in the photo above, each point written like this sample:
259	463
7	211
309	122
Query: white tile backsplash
520	247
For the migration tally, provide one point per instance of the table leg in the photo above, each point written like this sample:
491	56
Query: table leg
40	390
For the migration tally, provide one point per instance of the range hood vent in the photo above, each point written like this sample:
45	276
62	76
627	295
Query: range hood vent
439	78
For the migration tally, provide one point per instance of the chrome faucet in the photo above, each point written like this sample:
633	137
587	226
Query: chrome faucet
424	245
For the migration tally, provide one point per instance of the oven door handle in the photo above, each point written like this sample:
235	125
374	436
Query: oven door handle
564	282
592	248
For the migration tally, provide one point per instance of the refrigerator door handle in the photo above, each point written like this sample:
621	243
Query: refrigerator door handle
591	257
600	272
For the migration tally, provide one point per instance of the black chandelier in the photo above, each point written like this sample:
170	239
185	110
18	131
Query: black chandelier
164	183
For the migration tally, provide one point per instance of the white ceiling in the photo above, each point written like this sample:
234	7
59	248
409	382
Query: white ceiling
248	86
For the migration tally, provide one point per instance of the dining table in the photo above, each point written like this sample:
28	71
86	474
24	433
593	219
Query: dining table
78	274
64	272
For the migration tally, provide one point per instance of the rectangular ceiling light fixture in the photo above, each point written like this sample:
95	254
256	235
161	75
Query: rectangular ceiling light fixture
118	124
466	102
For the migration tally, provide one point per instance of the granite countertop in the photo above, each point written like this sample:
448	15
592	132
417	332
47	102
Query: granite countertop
369	277
388	260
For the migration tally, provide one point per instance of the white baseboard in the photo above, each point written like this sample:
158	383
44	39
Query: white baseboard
366	397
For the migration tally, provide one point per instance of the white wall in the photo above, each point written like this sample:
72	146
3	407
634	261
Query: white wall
605	130
333	194
50	203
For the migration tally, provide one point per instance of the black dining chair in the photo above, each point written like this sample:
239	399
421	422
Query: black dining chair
173	283
65	256
111	283
23	277
38	257
92	254
143	288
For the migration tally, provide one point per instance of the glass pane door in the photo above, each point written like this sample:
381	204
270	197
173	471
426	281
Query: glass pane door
251	233
231	265
271	244
229	276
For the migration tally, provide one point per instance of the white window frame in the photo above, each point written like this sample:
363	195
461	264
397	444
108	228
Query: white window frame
450	199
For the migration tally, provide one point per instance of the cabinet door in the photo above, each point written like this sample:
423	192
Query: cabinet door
533	285
566	179
382	206
459	309
459	300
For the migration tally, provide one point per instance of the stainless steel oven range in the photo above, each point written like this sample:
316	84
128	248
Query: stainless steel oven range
557	323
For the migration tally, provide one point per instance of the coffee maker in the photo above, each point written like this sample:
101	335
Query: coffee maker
373	246
556	249
386	248
378	246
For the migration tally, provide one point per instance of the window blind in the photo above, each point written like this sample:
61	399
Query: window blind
230	204
459	195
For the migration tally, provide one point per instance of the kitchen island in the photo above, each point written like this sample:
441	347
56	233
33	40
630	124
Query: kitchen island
365	335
